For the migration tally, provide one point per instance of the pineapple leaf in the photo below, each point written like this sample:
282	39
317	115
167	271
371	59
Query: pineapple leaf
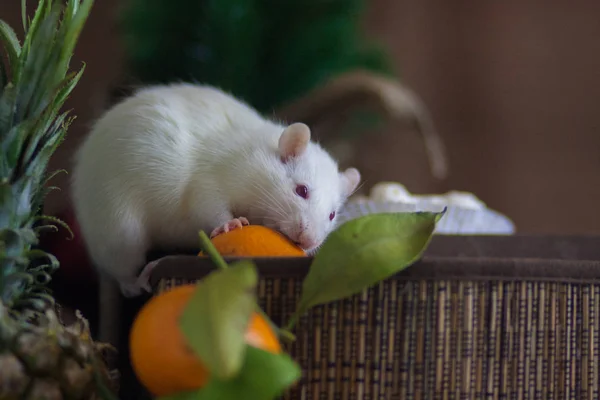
24	18
7	109
22	200
13	142
53	174
28	236
11	44
35	73
14	261
42	228
73	6
41	11
12	242
18	237
42	268
41	277
50	113
57	221
32	303
35	83
74	28
37	254
35	144
21	277
43	297
67	87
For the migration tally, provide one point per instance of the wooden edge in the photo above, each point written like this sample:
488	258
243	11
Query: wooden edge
519	245
428	268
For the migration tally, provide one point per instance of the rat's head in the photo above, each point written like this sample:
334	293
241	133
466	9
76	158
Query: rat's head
307	190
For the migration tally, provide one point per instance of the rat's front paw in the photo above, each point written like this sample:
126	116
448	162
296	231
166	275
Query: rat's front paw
132	289
139	285
229	225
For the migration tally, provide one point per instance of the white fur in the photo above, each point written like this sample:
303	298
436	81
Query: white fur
172	160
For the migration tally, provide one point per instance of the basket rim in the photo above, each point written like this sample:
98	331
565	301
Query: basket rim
529	257
428	268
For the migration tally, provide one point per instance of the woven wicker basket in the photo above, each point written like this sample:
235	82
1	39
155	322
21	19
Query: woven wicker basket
477	317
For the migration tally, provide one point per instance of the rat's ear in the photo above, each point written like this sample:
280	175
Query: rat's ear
293	141
350	180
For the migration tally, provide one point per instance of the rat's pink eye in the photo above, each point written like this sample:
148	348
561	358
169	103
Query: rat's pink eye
332	216
302	191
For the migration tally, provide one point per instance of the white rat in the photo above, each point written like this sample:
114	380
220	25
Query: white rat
174	159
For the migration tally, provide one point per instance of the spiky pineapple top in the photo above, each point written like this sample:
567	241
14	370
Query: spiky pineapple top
34	85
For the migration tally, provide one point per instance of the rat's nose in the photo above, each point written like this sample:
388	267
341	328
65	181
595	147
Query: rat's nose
306	241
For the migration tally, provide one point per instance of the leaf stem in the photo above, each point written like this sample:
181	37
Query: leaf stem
292	322
212	252
285	333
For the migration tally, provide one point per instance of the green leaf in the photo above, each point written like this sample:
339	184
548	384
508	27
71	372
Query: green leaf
363	252
7	109
264	376
40	276
45	228
67	87
19	277
28	236
36	254
12	242
35	74
36	143
9	39
53	174
74	28
41	11
15	260
217	316
24	15
12	143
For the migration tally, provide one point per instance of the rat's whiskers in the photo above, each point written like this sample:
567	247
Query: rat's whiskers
268	200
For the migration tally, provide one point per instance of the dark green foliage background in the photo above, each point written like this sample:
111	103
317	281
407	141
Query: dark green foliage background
266	52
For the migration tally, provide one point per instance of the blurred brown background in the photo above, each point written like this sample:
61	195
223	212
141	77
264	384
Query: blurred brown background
513	86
